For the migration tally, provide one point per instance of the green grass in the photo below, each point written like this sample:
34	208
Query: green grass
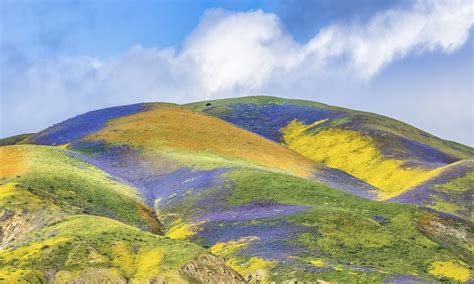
258	100
77	187
461	184
14	139
255	184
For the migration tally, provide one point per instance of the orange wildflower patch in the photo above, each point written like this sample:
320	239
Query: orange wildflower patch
171	128
13	161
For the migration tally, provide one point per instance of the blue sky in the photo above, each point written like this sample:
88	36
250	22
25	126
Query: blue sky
412	60
106	28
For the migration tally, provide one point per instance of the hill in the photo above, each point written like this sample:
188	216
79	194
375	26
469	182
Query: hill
272	187
385	153
51	229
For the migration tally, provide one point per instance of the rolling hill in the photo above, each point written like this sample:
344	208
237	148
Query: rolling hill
385	153
63	220
247	189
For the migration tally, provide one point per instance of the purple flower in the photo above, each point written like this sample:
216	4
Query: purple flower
253	211
83	125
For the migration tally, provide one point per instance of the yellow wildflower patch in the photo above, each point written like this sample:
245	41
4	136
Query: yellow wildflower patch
255	264
180	230
231	246
89	275
356	154
317	262
18	275
7	190
148	264
32	250
123	257
64	146
451	269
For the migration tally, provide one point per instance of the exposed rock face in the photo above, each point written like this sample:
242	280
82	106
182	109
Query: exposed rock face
446	228
210	269
12	226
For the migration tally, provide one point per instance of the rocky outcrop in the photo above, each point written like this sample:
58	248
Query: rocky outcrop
209	269
13	225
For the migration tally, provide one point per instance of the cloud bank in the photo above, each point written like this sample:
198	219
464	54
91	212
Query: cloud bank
231	54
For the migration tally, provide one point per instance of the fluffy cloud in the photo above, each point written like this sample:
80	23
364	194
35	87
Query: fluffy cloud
230	54
427	26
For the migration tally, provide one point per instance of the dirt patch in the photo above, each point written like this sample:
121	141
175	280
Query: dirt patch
13	226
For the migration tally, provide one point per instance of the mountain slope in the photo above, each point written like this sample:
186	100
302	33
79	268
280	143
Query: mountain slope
451	191
186	138
274	227
383	152
14	139
254	202
46	236
51	174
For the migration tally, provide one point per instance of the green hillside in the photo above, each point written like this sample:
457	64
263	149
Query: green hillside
45	236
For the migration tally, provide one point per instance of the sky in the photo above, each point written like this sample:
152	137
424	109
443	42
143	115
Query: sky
408	59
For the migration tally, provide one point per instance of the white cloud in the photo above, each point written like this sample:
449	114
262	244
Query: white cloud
231	54
427	26
232	50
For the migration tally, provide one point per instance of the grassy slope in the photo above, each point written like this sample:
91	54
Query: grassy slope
14	139
384	152
44	192
73	185
343	237
450	192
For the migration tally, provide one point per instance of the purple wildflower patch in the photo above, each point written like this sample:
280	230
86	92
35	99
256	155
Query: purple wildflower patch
397	146
253	211
83	125
174	184
343	181
422	194
267	119
403	278
274	238
423	152
428	192
132	167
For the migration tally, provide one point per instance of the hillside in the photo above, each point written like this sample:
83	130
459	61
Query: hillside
179	138
45	234
387	154
277	189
